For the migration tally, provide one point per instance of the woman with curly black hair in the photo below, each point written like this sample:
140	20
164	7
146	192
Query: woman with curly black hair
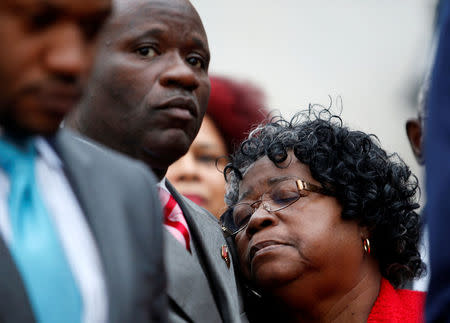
323	223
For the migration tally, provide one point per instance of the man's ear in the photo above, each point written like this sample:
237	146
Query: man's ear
414	133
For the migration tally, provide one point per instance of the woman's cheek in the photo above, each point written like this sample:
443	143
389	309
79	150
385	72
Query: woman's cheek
243	259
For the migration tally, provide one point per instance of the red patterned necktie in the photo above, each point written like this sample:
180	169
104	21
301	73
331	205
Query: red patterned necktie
174	220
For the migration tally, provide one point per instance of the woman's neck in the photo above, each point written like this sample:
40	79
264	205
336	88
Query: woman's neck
352	305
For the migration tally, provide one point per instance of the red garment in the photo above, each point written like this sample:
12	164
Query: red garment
174	220
400	305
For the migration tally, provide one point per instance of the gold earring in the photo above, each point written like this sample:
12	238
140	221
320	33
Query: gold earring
366	245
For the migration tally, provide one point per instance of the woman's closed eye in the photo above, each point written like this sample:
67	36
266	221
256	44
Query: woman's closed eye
285	197
242	214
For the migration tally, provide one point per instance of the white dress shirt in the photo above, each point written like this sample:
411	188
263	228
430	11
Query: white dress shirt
71	226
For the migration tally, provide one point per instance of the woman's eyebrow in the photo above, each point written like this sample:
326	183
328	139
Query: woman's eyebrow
275	180
244	195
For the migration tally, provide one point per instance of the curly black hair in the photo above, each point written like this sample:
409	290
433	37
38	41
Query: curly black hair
374	188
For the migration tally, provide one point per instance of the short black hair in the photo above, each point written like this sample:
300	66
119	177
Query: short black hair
374	188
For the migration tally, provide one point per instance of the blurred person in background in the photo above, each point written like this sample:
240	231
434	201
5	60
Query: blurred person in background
415	131
437	165
415	127
324	224
233	109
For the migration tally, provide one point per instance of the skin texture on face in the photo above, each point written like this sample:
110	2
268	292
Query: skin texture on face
150	86
47	50
196	176
305	256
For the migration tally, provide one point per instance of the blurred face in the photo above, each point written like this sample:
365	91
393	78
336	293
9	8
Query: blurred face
414	131
150	86
47	48
196	175
306	248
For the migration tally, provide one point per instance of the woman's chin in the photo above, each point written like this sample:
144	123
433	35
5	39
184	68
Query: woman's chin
273	277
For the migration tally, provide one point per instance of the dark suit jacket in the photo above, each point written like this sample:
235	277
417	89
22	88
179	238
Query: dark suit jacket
437	144
119	200
202	288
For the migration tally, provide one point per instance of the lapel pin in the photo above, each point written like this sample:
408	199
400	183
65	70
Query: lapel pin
225	255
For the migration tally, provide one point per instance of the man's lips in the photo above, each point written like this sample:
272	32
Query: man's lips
179	106
60	99
263	246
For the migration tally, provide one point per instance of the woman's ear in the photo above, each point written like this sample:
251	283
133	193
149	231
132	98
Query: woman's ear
365	233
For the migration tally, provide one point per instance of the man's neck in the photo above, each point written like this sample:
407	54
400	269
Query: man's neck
74	121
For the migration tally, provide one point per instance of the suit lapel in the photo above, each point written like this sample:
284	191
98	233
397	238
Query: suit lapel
189	291
14	304
82	177
209	240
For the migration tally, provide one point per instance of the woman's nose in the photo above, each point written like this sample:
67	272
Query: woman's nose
186	169
261	219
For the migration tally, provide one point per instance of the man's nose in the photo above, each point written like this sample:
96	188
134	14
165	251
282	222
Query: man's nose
69	54
179	73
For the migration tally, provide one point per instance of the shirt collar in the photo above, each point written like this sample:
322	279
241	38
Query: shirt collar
47	153
44	150
162	184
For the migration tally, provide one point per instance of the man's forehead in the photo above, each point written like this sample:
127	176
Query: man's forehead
122	6
77	7
134	17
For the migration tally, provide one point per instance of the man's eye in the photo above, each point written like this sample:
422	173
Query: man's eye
42	20
147	51
196	62
91	29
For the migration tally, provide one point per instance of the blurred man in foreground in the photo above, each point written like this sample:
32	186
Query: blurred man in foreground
80	237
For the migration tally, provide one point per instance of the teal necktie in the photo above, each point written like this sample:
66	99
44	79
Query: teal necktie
35	245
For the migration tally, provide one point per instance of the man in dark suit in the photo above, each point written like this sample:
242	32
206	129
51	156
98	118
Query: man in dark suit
147	96
437	164
80	227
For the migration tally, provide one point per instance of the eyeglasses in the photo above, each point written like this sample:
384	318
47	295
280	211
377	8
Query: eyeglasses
280	196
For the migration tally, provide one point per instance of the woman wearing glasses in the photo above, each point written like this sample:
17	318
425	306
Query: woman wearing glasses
324	224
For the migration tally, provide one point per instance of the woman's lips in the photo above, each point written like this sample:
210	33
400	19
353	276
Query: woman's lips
197	199
264	246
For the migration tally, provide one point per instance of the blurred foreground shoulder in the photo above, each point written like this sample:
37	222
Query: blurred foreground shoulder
119	194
